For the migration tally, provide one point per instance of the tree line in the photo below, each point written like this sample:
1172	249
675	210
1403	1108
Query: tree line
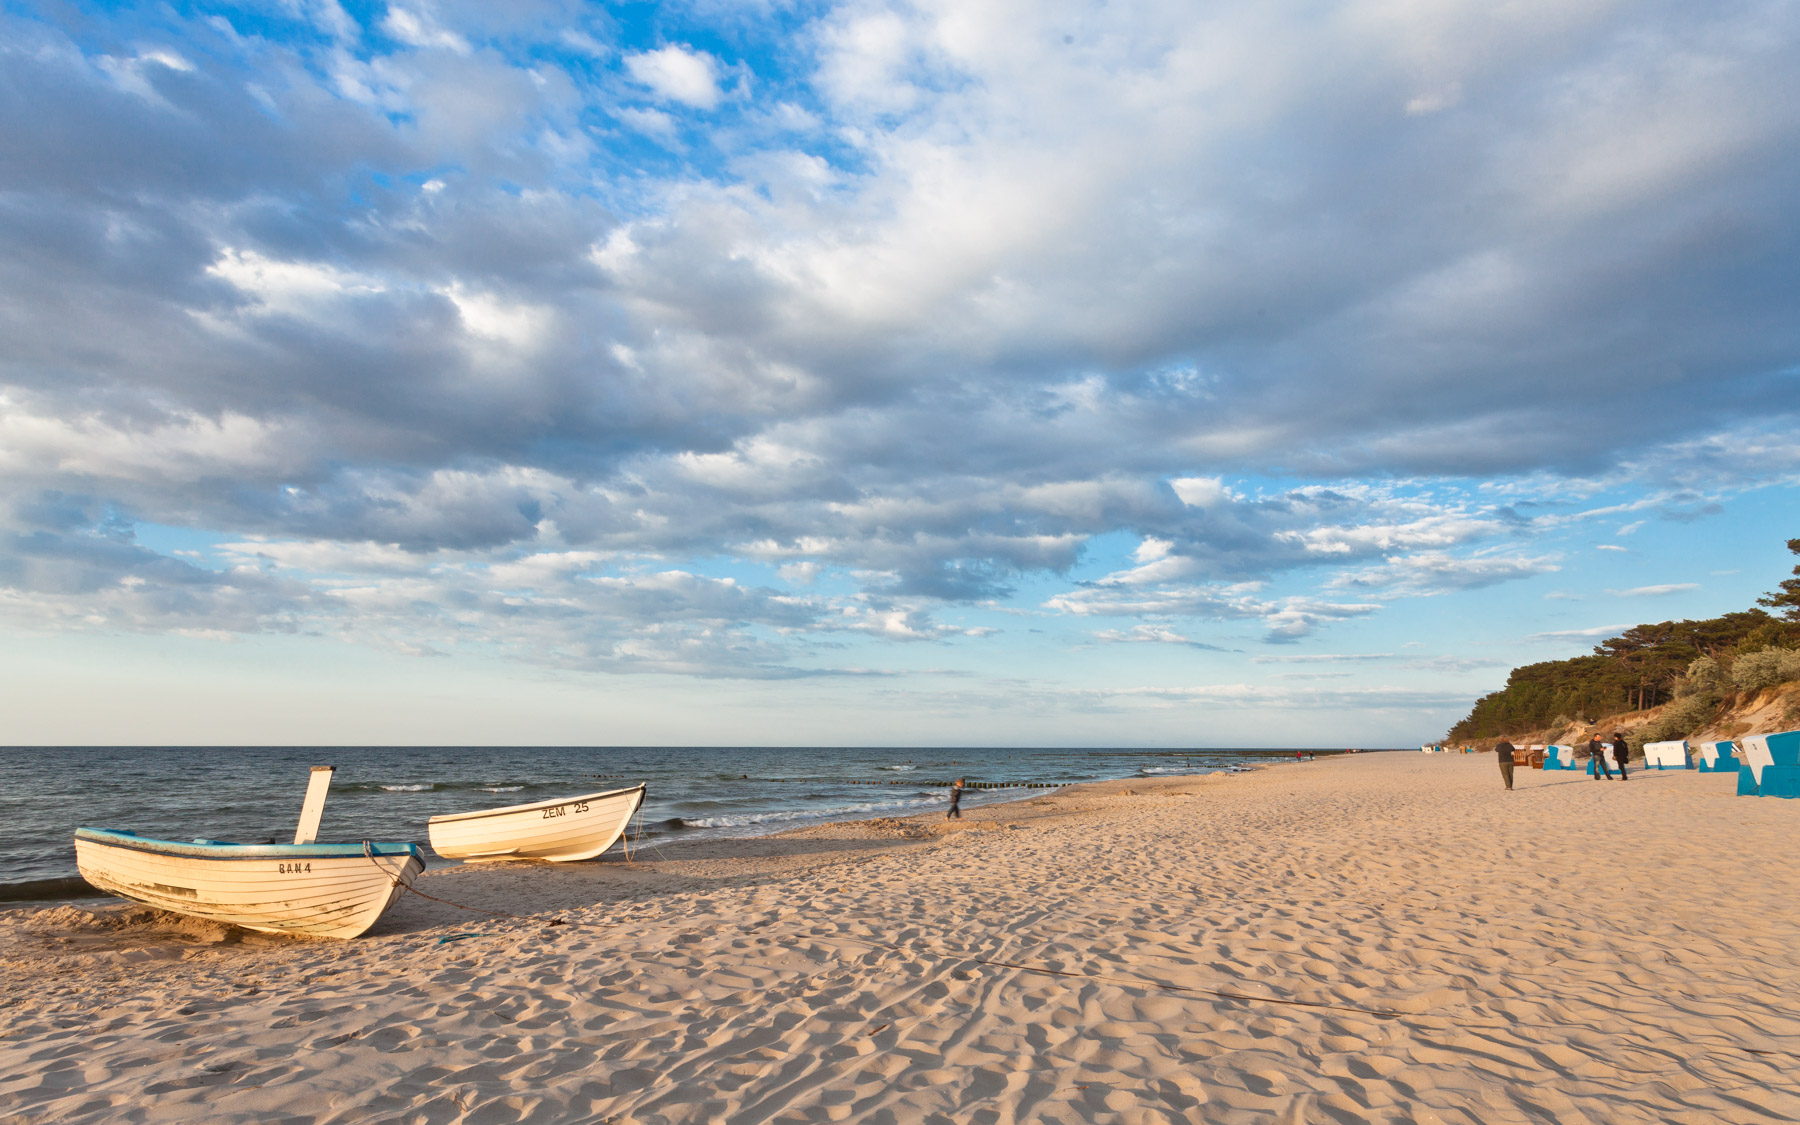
1690	661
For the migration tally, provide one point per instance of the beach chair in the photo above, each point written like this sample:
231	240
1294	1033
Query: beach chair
1667	755
1771	765
1559	757
1717	757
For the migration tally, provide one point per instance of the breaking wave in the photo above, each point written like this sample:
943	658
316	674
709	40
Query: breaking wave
787	816
443	787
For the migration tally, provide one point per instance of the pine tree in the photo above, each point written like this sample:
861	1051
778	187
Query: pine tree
1788	596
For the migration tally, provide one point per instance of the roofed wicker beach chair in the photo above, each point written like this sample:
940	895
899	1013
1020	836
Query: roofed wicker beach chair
1718	757
1771	765
1559	757
1667	755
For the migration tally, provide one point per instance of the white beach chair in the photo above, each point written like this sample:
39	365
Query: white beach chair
1667	755
1771	765
1717	757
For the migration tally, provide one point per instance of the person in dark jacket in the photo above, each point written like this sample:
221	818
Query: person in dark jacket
1503	753
1621	751
955	812
1598	753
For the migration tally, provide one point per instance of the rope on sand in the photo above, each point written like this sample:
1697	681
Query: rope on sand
479	910
398	879
637	837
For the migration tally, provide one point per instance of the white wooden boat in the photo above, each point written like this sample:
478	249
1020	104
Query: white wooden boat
326	890
565	829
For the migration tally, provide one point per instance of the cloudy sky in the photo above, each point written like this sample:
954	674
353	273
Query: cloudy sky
947	372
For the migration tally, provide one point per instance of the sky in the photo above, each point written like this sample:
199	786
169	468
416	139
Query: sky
939	373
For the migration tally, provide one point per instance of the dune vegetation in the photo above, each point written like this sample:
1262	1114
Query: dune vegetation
1676	677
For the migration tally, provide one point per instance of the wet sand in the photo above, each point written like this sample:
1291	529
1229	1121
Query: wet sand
1385	937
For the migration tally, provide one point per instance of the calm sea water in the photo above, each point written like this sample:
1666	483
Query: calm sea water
387	793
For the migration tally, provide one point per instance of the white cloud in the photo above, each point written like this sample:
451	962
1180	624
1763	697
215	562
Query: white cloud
584	43
678	74
1150	634
650	122
167	58
1578	634
1435	100
864	58
1436	530
1151	550
1436	572
522	326
420	29
323	556
137	75
165	448
290	287
1200	492
1656	591
1286	618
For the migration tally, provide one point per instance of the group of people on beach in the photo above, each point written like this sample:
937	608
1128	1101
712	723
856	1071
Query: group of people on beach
1597	752
1602	769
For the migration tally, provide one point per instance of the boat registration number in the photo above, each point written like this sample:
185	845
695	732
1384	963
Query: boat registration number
295	868
565	810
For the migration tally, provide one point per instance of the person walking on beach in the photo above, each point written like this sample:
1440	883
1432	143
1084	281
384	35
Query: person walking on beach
1621	751
1598	754
956	789
1503	753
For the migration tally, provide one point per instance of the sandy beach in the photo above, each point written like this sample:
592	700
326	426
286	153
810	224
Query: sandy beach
1385	937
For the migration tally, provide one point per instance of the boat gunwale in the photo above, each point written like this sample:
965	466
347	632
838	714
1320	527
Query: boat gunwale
448	818
131	841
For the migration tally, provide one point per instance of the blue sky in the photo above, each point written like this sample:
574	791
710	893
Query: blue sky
966	373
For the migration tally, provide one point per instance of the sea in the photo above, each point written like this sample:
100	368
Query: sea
388	792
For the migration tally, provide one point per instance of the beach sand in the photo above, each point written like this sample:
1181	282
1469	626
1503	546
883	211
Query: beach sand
1384	938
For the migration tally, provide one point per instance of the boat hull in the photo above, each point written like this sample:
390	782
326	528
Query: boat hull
561	831
322	890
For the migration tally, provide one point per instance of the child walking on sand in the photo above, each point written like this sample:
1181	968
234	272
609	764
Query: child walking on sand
955	812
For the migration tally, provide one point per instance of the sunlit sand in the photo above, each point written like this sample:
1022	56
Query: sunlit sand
1386	938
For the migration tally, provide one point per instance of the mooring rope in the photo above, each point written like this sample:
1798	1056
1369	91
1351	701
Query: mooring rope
479	910
399	880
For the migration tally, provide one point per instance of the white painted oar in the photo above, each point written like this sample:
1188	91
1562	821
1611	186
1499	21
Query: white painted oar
314	807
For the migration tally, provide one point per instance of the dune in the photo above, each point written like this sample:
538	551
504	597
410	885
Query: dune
1379	938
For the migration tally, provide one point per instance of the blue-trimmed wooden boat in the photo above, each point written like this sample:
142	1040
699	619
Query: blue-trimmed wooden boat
559	830
325	890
